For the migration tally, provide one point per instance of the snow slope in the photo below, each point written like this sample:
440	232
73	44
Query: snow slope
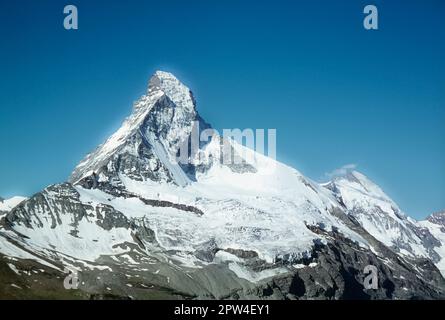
8	204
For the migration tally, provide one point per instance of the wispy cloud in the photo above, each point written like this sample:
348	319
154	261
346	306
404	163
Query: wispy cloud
341	171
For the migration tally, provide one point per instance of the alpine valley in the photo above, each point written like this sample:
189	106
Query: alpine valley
131	223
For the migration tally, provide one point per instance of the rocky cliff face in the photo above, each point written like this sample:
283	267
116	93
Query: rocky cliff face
435	224
135	222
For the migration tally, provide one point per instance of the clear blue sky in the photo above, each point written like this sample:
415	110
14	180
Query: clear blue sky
336	93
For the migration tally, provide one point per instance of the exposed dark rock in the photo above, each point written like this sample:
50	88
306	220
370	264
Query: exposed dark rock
244	254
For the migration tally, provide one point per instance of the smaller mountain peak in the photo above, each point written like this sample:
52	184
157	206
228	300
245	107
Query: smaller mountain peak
351	178
357	176
348	174
354	176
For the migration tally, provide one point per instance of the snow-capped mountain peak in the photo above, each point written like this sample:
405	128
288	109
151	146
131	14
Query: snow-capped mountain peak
357	190
174	89
160	122
359	183
380	215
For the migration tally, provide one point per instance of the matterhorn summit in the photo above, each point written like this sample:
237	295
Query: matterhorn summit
143	145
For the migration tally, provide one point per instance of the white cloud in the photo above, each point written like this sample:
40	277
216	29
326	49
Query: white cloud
342	171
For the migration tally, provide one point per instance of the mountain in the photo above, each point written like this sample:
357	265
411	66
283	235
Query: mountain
435	223
155	213
380	216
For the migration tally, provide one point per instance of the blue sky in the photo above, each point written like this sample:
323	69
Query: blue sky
336	93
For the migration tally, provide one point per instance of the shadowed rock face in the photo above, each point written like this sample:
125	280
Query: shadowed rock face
117	222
